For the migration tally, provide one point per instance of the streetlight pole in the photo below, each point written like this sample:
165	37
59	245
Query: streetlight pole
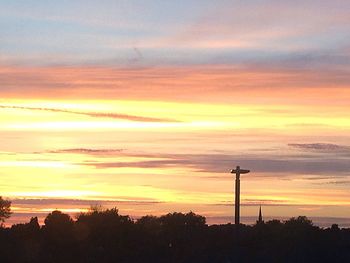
238	171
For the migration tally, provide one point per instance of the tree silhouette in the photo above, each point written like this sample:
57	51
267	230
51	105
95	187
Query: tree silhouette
58	220
27	237
106	236
300	221
5	210
58	233
58	227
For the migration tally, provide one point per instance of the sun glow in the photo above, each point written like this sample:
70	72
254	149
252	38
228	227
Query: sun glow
143	153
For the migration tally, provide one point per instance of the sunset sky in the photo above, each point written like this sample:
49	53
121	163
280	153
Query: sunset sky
147	105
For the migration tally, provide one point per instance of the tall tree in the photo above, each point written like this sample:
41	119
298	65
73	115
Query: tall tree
5	210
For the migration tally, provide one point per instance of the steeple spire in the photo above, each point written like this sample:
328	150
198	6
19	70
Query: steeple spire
260	219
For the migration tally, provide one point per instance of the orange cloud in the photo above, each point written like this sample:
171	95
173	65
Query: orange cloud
223	84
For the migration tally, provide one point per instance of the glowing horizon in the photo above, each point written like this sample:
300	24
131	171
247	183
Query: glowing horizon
147	106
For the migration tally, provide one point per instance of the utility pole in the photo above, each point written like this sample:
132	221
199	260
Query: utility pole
238	171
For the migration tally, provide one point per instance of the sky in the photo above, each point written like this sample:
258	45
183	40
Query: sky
147	105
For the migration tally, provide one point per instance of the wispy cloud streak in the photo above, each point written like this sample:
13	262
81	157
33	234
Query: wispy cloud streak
320	147
222	163
93	114
89	151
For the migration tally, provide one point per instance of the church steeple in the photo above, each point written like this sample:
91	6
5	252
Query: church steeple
260	219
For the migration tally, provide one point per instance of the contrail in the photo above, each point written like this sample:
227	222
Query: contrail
94	114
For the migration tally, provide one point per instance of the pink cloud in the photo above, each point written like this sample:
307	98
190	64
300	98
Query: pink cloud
220	84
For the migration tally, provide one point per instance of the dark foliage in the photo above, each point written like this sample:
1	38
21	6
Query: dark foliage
5	210
106	236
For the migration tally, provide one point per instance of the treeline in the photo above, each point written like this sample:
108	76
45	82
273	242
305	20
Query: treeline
106	236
